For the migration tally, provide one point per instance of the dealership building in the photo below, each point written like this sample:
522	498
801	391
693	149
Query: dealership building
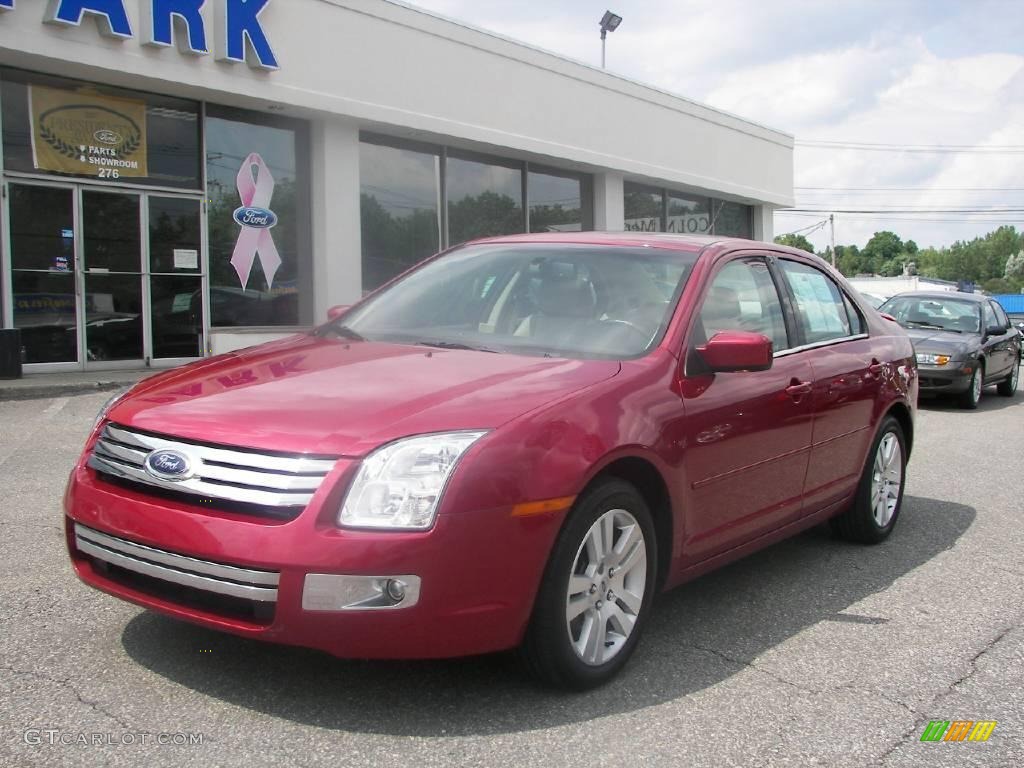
185	177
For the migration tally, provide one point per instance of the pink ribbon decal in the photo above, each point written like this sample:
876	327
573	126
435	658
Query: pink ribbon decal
255	188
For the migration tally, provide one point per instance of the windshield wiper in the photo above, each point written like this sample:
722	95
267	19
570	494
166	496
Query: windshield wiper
454	345
339	330
930	326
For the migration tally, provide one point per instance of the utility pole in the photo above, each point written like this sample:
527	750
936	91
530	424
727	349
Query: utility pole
832	225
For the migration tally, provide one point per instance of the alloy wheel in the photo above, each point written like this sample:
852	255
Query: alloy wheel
886	479
976	384
606	587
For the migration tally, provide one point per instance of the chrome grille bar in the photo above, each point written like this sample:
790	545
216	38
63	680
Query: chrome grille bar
186	571
219	472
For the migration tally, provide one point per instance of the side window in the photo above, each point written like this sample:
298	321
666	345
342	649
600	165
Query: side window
820	305
742	297
856	320
1001	317
990	315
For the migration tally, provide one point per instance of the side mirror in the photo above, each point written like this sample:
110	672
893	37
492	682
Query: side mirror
737	351
337	311
995	330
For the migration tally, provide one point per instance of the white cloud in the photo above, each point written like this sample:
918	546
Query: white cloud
912	72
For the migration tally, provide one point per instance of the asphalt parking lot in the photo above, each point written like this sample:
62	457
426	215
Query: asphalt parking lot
813	652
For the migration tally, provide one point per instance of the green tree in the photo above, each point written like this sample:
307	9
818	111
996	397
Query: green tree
795	241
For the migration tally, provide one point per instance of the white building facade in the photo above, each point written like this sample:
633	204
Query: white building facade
183	177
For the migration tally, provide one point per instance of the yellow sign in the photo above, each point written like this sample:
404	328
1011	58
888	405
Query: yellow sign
87	133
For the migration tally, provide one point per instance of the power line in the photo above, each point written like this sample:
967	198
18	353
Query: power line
983	149
905	210
912	189
809	230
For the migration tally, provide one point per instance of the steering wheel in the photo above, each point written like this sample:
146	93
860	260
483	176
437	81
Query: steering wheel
631	326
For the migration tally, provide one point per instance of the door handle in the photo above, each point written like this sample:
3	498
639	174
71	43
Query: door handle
875	368
798	389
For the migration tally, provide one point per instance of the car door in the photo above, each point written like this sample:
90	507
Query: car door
847	376
1000	351
747	434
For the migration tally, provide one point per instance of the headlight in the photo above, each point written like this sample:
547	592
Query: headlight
930	359
111	402
400	485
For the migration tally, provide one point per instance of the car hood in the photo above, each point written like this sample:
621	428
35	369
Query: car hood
313	395
942	342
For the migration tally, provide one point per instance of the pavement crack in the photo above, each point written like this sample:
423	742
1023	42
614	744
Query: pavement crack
972	669
66	684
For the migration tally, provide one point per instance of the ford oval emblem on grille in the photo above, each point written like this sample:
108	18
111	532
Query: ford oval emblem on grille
169	465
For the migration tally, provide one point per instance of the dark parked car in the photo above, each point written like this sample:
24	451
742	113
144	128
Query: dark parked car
963	342
517	443
1017	321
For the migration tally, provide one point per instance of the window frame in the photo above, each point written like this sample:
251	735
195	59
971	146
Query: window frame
692	365
1000	313
791	300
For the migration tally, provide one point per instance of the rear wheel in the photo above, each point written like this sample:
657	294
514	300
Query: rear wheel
876	507
1008	386
597	590
972	396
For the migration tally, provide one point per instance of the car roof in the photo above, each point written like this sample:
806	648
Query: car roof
941	295
689	243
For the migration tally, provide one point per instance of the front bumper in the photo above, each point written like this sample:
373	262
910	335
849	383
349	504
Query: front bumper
952	378
477	572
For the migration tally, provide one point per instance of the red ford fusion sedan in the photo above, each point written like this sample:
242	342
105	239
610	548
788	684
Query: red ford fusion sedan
517	443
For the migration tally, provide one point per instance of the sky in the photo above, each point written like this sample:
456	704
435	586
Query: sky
910	73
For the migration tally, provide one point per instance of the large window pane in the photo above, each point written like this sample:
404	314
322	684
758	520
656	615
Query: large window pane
174	235
643	208
177	315
44	310
688	215
113	317
733	219
557	203
42	234
268	157
399	194
170	135
484	200
110	232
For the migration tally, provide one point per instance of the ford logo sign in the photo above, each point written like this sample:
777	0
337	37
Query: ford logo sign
250	216
108	137
168	465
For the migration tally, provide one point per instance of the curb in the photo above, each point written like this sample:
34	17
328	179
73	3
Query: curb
42	391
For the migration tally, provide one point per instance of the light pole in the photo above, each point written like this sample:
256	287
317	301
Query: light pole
609	23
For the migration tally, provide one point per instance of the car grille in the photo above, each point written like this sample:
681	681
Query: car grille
215	587
274	485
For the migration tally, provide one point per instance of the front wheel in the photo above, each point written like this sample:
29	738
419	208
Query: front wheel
972	396
876	506
596	591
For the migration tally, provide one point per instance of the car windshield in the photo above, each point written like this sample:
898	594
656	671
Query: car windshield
532	299
934	313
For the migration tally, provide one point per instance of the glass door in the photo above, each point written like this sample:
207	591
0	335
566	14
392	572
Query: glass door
102	279
43	286
112	267
175	278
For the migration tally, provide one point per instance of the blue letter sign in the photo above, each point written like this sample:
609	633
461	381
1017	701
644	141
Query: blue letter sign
165	20
111	17
6	5
240	37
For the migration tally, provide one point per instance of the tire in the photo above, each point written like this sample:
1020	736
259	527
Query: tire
867	521
555	647
1008	387
972	396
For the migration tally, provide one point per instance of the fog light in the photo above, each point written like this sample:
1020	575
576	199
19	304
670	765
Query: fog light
336	592
395	589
